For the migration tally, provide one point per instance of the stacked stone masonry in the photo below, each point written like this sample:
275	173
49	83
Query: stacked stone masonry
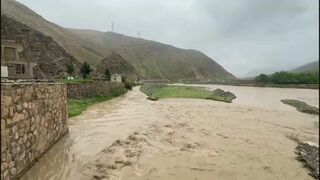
90	89
33	118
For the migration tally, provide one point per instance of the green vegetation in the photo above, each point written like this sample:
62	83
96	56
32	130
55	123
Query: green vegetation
159	91
301	106
85	70
288	78
75	81
107	74
129	85
262	78
77	106
70	68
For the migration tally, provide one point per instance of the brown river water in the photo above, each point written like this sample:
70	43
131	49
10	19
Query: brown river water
132	138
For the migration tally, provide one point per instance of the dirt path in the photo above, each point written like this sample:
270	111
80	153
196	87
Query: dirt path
132	138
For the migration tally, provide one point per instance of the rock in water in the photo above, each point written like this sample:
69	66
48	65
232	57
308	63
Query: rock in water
153	98
228	96
308	153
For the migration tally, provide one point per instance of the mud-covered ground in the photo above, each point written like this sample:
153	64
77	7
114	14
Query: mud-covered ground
133	138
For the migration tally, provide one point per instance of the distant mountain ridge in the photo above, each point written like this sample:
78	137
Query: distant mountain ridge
150	59
310	67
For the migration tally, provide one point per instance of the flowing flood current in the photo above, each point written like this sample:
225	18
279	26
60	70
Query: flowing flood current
133	138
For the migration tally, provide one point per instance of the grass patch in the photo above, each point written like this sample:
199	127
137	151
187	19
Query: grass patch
301	106
75	81
77	106
160	91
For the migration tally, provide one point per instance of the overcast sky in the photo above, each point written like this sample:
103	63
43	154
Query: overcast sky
244	36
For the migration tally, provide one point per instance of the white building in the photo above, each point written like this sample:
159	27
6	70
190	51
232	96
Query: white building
4	71
116	78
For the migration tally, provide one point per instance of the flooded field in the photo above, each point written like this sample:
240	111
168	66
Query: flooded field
133	138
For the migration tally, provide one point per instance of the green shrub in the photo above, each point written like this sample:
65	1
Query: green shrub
289	78
129	85
262	78
77	106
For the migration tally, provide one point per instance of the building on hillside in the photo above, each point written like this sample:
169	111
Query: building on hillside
12	66
116	78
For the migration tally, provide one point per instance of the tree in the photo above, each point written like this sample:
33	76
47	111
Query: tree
262	78
107	74
294	78
281	77
70	68
124	78
85	70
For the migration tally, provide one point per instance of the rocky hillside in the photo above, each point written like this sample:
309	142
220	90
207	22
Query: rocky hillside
21	13
151	60
310	67
51	58
116	64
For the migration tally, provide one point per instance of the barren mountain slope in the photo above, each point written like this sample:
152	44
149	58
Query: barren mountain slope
310	67
152	60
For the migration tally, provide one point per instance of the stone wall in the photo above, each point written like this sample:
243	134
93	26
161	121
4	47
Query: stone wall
95	89
33	118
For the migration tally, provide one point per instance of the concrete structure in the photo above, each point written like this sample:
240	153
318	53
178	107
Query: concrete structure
4	71
10	60
116	78
33	118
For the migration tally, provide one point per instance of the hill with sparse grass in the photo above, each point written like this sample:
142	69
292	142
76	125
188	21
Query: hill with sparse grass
310	67
151	60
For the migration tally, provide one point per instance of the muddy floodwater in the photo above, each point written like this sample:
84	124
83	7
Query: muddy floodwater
132	138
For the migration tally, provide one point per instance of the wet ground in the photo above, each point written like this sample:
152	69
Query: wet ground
133	138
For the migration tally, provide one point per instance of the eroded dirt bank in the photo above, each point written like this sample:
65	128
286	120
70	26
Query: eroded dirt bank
133	138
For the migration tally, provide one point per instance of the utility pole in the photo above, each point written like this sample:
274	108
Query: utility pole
112	26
